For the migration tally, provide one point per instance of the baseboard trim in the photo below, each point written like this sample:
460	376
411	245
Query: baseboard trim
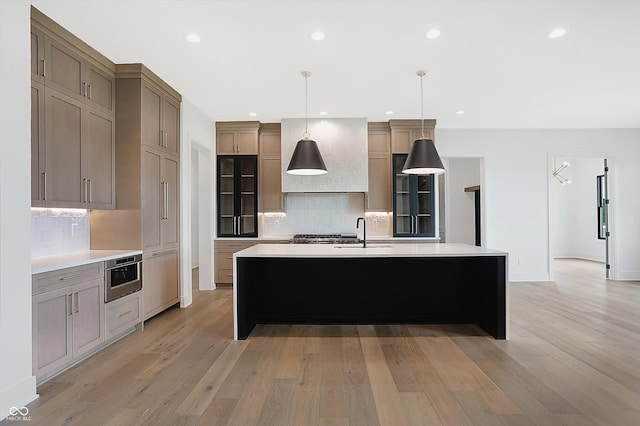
19	395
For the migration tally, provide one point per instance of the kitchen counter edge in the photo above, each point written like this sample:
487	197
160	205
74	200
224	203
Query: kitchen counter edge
43	264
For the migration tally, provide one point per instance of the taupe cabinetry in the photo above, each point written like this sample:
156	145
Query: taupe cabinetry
68	316
60	64
404	132
122	314
160	281
159	200
270	196
224	258
378	199
72	120
147	185
237	137
160	119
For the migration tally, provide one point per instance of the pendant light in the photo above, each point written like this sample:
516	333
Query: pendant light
423	159
306	158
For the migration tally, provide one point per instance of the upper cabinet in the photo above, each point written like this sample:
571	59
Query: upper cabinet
60	64
160	119
237	138
404	132
271	198
378	198
72	120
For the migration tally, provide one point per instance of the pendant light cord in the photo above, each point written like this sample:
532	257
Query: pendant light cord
421	74
306	134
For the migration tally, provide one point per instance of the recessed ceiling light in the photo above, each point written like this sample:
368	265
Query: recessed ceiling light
317	35
192	38
323	112
388	112
324	122
460	112
253	114
433	33
557	32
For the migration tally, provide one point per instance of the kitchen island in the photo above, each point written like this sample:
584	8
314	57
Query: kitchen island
380	284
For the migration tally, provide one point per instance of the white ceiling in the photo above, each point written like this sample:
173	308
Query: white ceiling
493	59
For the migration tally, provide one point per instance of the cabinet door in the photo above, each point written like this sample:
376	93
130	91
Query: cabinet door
63	139
246	175
37	144
98	155
271	197
88	316
170	222
247	142
226	197
52	322
171	125
64	69
160	281
151	116
101	89
401	140
226	142
424	222
152	206
379	195
37	55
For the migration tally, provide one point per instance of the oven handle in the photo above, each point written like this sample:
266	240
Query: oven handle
121	265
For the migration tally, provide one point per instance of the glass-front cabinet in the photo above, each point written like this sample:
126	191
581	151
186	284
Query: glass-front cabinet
237	196
413	202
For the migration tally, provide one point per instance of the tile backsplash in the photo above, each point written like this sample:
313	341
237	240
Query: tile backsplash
322	213
59	231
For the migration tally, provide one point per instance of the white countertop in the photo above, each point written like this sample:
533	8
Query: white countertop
372	250
67	260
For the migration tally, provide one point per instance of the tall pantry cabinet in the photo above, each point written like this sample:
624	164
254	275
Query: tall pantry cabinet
147	183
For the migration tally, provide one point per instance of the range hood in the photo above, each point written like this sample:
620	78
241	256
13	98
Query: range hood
343	145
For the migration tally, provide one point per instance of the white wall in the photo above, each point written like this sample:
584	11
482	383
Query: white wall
573	211
195	238
516	189
460	205
198	132
17	384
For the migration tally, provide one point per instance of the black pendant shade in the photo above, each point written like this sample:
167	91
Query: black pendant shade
423	159
306	159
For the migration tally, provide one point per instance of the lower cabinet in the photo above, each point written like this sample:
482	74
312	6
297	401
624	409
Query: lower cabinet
224	259
68	316
160	281
122	314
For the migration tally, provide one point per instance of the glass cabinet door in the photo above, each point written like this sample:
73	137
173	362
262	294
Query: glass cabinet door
413	202
248	196
424	205
402	220
237	196
226	197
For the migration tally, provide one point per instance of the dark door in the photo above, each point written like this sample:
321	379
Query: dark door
237	196
413	202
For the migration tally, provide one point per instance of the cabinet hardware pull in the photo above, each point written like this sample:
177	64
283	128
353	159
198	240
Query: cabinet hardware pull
89	183
163	253
84	189
89	91
125	314
44	72
84	89
166	200
70	305
229	275
77	303
44	186
161	136
68	277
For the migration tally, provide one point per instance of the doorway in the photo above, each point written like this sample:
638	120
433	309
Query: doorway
579	197
463	200
201	218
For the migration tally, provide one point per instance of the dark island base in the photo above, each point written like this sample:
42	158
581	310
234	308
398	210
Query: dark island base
390	290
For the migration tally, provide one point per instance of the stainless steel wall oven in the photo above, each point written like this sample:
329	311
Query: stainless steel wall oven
122	277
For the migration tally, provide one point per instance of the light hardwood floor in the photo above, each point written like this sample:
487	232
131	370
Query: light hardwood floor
573	358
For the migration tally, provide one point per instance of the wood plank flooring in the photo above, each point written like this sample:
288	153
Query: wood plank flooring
573	359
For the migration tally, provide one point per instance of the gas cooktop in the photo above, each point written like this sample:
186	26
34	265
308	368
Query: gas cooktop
325	239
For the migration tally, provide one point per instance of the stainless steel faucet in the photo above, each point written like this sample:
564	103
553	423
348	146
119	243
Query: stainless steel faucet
364	236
